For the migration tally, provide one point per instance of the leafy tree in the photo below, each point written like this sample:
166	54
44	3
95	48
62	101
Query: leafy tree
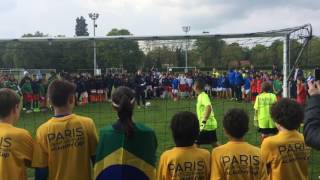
210	50
120	53
81	27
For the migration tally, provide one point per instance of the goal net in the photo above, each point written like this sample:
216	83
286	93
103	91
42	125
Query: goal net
276	52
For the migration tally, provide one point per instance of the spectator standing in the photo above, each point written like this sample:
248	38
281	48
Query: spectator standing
312	116
140	87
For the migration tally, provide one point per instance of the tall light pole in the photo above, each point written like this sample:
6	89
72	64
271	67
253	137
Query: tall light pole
94	17
186	29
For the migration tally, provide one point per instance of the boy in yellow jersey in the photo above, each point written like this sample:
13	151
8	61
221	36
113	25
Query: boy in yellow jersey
185	161
15	144
262	116
207	121
66	142
286	153
237	159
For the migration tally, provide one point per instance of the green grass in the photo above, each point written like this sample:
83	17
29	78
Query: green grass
158	117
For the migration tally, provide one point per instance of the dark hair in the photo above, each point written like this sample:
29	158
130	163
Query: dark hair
8	100
185	128
288	113
236	123
266	87
300	78
123	101
200	84
59	92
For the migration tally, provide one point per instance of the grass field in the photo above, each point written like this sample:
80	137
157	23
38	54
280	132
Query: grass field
158	117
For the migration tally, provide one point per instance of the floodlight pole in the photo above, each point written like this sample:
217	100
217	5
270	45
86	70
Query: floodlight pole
94	17
285	65
186	29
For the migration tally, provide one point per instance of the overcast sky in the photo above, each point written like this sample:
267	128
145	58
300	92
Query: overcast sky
154	17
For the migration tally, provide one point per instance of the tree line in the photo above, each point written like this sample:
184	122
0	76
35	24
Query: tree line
131	55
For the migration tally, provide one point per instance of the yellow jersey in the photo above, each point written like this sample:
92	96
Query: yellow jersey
65	146
182	163
237	161
16	146
287	155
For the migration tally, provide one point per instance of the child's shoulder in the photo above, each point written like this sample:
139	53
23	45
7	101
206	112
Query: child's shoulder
143	127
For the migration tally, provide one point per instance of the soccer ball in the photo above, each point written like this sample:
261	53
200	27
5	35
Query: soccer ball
148	104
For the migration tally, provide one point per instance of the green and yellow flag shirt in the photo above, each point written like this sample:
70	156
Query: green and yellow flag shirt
65	145
121	157
182	163
16	146
202	102
262	106
287	154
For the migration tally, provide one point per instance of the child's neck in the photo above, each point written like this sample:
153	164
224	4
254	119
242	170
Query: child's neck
7	120
236	139
62	111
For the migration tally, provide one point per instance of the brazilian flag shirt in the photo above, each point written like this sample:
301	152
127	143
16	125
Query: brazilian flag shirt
202	102
120	157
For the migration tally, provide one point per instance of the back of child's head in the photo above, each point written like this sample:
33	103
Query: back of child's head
266	87
8	101
123	100
60	91
200	84
185	128
287	113
236	123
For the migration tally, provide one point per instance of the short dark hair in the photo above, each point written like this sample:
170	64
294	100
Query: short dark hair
266	87
59	91
236	123
200	83
288	113
185	128
8	101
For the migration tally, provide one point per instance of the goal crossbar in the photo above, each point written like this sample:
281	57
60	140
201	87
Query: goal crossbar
272	33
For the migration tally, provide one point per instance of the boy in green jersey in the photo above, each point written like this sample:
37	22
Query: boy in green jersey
207	121
262	116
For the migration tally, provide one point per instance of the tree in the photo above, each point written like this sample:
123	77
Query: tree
120	52
81	27
210	51
232	52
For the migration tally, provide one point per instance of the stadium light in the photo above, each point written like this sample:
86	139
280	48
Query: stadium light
94	17
186	29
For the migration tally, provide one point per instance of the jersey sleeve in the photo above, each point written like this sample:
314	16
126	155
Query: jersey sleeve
263	175
266	152
92	138
40	150
256	103
205	100
216	169
24	149
161	171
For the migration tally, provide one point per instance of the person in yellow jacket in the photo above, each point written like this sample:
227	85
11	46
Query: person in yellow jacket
205	114
16	145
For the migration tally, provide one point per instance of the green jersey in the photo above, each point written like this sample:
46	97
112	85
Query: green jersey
277	86
202	102
262	105
26	88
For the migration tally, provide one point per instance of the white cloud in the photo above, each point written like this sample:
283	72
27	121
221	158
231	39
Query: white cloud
156	16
